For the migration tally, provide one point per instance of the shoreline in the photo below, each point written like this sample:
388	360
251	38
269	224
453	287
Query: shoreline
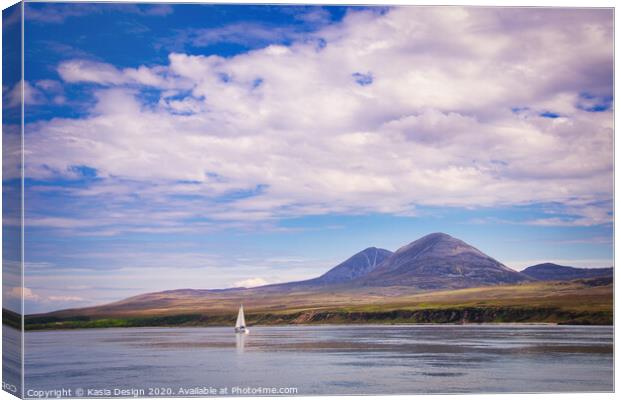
420	317
325	325
587	302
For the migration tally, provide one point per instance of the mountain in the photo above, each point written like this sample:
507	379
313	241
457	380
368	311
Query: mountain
440	261
555	272
354	267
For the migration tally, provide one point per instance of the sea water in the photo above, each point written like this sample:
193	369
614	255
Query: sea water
311	360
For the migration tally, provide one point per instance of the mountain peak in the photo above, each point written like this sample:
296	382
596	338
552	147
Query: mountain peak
436	235
355	266
441	243
369	249
440	260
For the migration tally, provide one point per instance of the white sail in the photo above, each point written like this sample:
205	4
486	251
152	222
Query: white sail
240	319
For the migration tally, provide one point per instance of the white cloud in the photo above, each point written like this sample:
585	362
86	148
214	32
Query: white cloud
240	33
251	34
251	282
31	95
19	292
450	119
36	93
59	13
65	298
30	296
105	74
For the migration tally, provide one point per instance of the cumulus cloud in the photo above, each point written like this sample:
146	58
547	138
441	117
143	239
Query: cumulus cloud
75	71
65	298
251	282
38	301
42	92
12	96
19	292
456	119
30	296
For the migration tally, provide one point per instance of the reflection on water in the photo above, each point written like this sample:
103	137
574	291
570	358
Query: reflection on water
328	359
240	342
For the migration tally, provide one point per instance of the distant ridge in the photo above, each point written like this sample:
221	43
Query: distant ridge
555	272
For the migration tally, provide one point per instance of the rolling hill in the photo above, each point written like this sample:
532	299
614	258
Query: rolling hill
555	272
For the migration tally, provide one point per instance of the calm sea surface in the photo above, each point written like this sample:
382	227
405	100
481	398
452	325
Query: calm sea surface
371	359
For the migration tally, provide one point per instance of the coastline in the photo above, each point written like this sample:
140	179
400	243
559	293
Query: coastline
434	316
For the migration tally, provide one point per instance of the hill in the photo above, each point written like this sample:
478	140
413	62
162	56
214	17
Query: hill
576	302
555	272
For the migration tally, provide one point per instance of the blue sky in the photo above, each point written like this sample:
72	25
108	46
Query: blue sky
214	146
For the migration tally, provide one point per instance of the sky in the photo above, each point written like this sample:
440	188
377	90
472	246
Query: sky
211	146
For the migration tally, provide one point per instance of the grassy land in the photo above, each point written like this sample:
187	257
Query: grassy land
456	314
587	301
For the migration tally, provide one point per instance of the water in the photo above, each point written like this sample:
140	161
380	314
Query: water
371	359
11	360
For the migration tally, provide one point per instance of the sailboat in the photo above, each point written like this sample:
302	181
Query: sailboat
240	325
